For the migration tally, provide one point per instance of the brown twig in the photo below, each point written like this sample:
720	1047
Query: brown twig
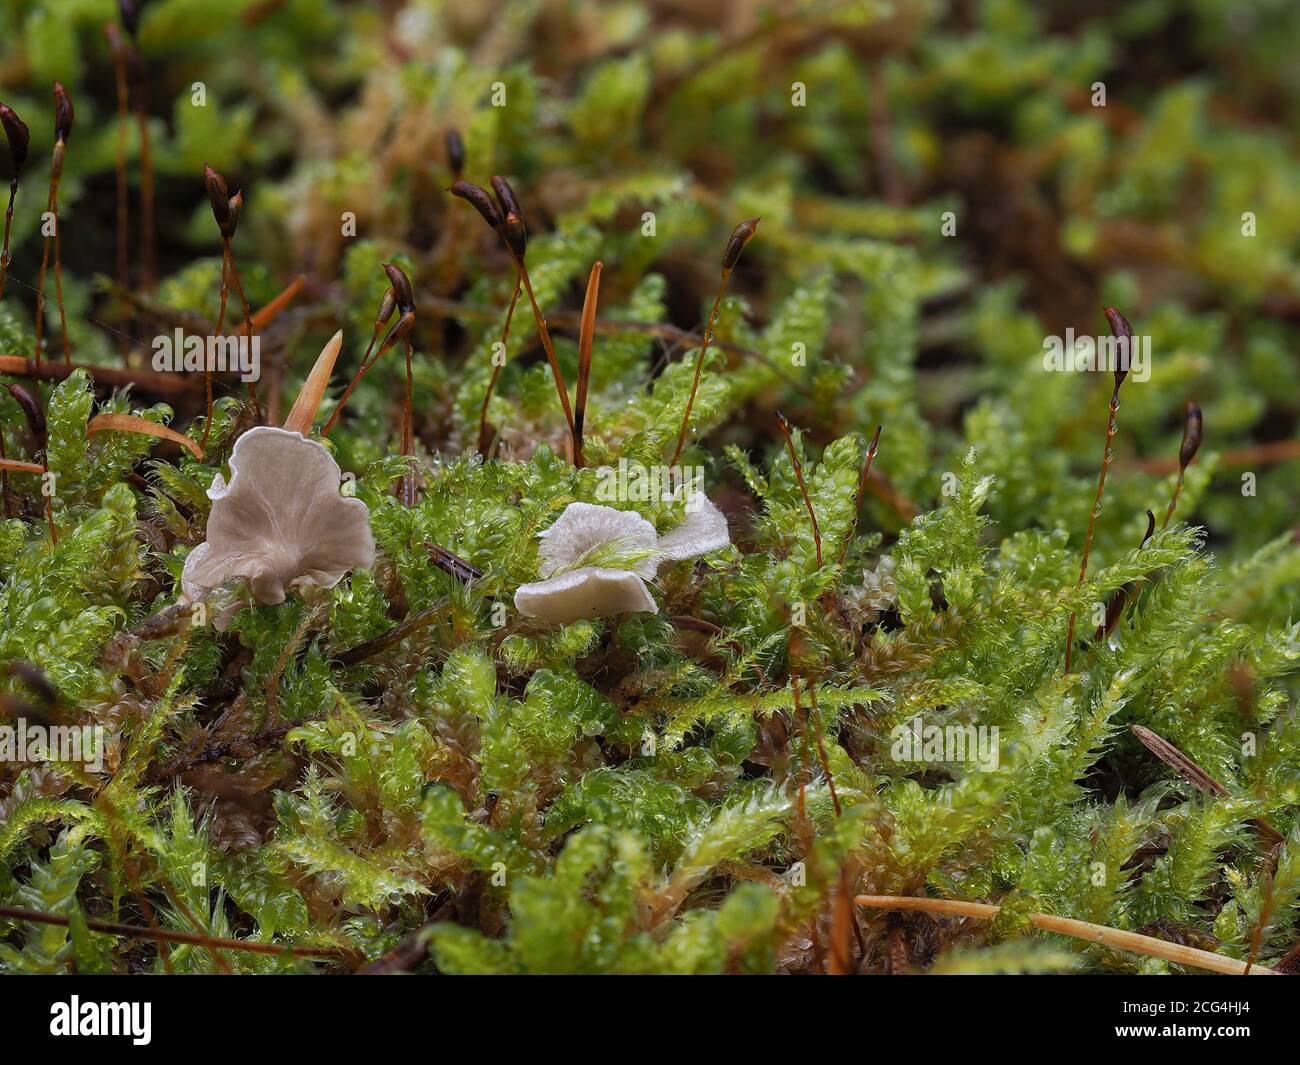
1102	935
453	564
1179	762
110	376
18	913
1269	837
391	638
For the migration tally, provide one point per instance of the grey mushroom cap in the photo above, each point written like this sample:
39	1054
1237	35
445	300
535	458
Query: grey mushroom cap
280	522
570	591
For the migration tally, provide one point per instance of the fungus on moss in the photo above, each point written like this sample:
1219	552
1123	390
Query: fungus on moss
596	560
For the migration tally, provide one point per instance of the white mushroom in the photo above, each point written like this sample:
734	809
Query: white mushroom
280	522
596	560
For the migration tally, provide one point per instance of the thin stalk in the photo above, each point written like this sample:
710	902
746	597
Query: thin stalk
18	141
49	500
51	208
389	340
811	689
58	283
9	221
803	488
699	366
1123	332
221	325
363	366
483	442
1112	427
801	724
545	334
405	490
1192	429
857	496
4	478
585	336
1173	501
248	323
1102	935
1115	608
37	425
740	236
413	624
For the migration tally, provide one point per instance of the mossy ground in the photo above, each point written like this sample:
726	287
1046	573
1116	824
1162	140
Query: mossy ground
653	793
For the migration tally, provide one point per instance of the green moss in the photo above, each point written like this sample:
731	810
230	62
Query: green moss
649	793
